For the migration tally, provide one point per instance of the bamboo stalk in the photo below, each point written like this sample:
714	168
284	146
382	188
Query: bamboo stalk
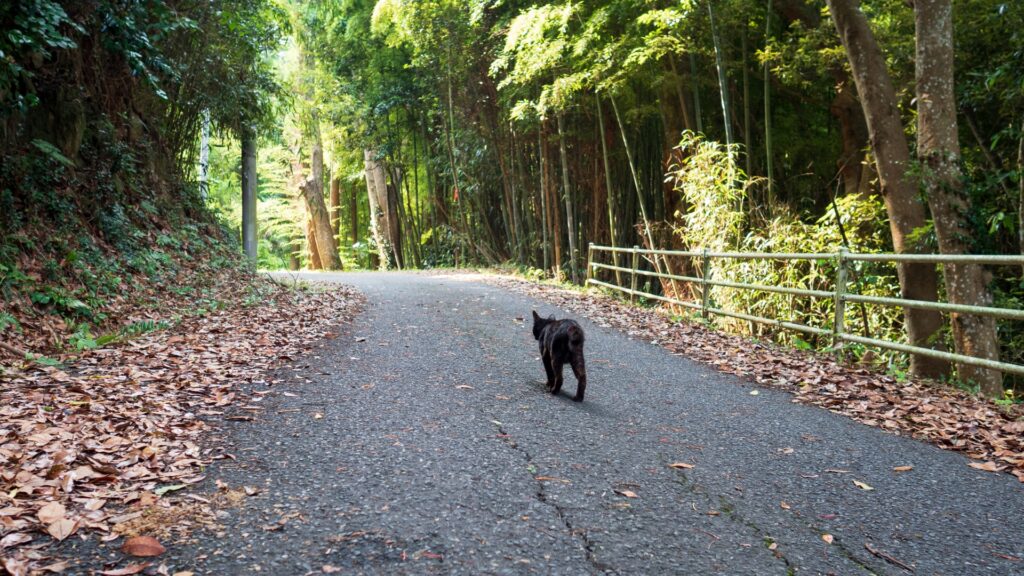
768	111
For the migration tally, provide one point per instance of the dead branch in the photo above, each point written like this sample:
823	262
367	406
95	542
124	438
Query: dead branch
14	350
887	558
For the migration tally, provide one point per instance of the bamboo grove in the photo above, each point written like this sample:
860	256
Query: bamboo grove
427	133
488	132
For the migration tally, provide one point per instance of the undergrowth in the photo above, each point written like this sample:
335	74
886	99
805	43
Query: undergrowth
103	249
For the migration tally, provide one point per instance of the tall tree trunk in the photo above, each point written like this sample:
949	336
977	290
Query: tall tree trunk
1020	186
544	198
608	186
723	82
204	156
394	216
336	207
249	193
517	224
852	129
315	263
899	190
698	116
570	218
554	216
768	169
746	108
376	188
687	122
313	192
938	149
639	189
353	214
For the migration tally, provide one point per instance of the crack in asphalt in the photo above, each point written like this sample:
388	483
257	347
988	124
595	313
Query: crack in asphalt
579	534
730	510
849	555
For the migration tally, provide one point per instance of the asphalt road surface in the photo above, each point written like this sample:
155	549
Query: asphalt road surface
424	443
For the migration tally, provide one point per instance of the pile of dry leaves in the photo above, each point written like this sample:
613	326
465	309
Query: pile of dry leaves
945	417
91	447
45	325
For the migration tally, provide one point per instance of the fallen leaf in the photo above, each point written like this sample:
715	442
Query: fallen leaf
431	555
626	493
328	569
14	539
11	511
51	512
862	485
15	567
680	465
127	570
143	547
986	467
784	505
754	392
464	387
165	489
56	567
827	538
62	528
184	573
903	468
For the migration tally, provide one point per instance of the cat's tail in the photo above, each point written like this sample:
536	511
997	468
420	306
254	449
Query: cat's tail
575	336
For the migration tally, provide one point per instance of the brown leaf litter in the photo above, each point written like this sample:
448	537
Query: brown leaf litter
98	449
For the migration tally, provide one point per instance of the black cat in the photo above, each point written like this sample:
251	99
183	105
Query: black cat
561	342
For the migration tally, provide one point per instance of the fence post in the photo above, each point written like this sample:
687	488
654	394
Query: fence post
840	301
705	276
632	280
590	263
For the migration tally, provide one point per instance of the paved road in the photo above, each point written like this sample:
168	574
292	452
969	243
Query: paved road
438	452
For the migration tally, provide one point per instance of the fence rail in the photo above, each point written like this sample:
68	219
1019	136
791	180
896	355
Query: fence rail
839	295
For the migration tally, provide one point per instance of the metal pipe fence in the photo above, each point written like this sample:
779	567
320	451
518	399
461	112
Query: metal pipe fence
840	295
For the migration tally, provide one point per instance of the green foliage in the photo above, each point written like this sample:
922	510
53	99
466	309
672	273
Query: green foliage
9	321
53	152
31	29
50	297
713	190
82	337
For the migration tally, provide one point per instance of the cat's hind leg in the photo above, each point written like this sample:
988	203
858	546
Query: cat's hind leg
550	384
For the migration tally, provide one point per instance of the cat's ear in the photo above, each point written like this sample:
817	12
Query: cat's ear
536	318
